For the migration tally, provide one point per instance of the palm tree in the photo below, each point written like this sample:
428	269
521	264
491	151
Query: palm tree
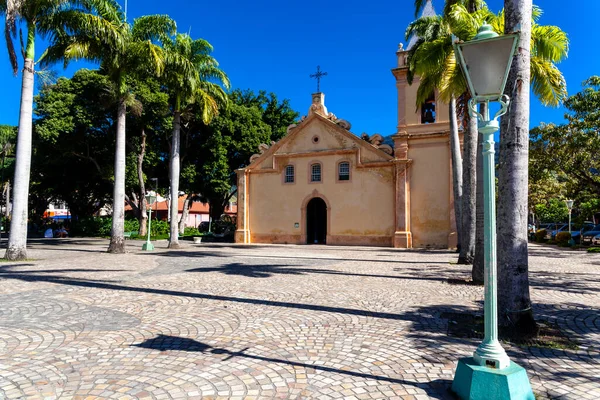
514	303
44	19
549	46
192	75
123	50
434	61
432	58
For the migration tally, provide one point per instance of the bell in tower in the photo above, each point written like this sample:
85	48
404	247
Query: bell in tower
428	111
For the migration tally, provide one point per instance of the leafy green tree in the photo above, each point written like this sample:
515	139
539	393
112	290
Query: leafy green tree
124	51
277	114
588	209
554	210
564	158
213	152
73	136
75	132
220	148
49	20
192	75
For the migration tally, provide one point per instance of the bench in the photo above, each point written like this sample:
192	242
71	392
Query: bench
127	235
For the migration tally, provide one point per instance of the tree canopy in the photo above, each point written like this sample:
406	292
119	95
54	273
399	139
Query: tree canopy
564	157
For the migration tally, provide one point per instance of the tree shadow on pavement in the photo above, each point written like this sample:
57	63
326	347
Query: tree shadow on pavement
268	270
438	388
196	254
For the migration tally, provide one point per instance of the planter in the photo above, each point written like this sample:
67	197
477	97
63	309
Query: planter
197	239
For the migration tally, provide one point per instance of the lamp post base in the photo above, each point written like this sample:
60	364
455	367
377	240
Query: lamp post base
148	246
491	355
472	381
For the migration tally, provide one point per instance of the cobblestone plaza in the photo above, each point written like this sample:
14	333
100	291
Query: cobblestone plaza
250	322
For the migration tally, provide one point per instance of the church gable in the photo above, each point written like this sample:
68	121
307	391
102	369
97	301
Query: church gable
321	132
316	135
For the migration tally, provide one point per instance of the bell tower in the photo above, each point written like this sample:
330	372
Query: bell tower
424	199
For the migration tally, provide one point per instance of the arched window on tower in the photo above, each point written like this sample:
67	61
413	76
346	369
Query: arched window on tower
428	110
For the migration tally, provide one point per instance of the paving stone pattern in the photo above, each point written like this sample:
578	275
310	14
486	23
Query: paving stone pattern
259	322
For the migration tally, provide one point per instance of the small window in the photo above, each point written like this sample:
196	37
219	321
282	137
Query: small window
315	173
289	174
428	110
344	171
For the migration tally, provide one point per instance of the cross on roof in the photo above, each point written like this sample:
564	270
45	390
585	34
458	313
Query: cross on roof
318	75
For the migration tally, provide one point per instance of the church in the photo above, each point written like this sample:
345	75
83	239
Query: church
322	184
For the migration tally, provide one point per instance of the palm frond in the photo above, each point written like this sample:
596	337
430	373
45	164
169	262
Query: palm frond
155	28
464	24
11	11
548	83
549	42
452	82
134	106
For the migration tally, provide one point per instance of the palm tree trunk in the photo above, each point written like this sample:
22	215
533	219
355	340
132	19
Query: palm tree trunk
514	304
117	239
478	261
467	248
456	169
17	240
143	217
185	213
174	231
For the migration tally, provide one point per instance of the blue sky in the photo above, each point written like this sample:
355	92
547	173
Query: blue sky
275	45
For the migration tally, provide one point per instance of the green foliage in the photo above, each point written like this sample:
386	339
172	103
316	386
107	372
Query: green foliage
213	152
92	227
8	139
192	75
432	57
588	209
570	152
190	231
277	115
132	225
553	211
101	227
563	238
159	228
540	235
593	250
73	135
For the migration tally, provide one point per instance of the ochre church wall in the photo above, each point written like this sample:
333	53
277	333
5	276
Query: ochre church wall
360	211
430	189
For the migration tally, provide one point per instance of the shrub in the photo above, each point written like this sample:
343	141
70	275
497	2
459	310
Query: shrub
159	228
191	231
131	225
94	226
563	238
540	235
593	250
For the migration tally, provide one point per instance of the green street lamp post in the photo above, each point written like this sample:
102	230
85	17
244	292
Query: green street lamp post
570	207
485	62
150	199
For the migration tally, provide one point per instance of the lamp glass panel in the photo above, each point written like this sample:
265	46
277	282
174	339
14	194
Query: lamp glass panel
150	198
488	62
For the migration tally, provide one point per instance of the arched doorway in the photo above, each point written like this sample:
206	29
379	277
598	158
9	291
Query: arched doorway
316	221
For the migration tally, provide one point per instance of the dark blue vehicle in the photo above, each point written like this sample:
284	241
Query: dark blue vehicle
589	235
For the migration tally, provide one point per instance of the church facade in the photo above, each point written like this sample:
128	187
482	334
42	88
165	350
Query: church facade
323	184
